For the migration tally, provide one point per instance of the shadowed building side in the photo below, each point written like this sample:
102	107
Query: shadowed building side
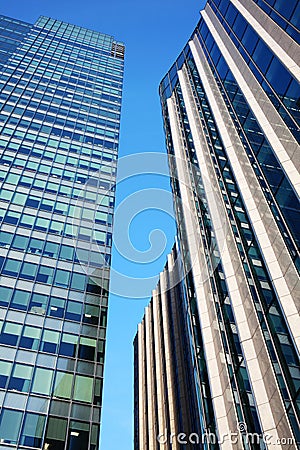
165	404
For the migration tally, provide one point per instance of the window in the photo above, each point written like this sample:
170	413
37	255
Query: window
78	281
38	301
66	252
45	274
61	208
46	205
98	391
42	381
20	242
20	299
78	435
35	246
21	378
27	221
56	227
5	295
63	385
5	370
19	199
262	56
10	333
68	345
239	26
56	307
83	389
86	234
11	267
74	311
32	202
28	271
91	314
32	431
103	317
50	341
5	239
11	217
30	337
101	351
51	249
278	76
41	224
87	348
82	255
62	278
12	178
56	433
10	422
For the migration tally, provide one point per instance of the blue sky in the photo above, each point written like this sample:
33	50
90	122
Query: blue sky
154	33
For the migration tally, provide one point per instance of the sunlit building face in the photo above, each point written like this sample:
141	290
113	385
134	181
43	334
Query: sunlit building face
231	113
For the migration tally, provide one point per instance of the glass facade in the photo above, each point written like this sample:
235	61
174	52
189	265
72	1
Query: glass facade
60	104
231	110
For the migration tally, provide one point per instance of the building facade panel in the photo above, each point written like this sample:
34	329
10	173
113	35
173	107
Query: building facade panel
231	115
171	388
60	102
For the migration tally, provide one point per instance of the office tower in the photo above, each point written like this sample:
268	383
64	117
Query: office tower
231	114
163	372
60	110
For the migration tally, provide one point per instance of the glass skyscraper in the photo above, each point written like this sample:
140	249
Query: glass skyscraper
231	107
60	106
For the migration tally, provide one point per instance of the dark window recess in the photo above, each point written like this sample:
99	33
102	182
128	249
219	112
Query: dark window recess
78	439
10	219
67	349
117	50
32	203
86	352
8	339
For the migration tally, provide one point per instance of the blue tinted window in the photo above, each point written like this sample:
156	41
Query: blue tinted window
285	8
45	274
51	249
28	271
5	295
32	431
11	267
231	15
250	39
66	252
262	56
62	278
74	310
295	19
278	76
10	422
78	281
35	246
5	239
56	307
20	299
239	26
